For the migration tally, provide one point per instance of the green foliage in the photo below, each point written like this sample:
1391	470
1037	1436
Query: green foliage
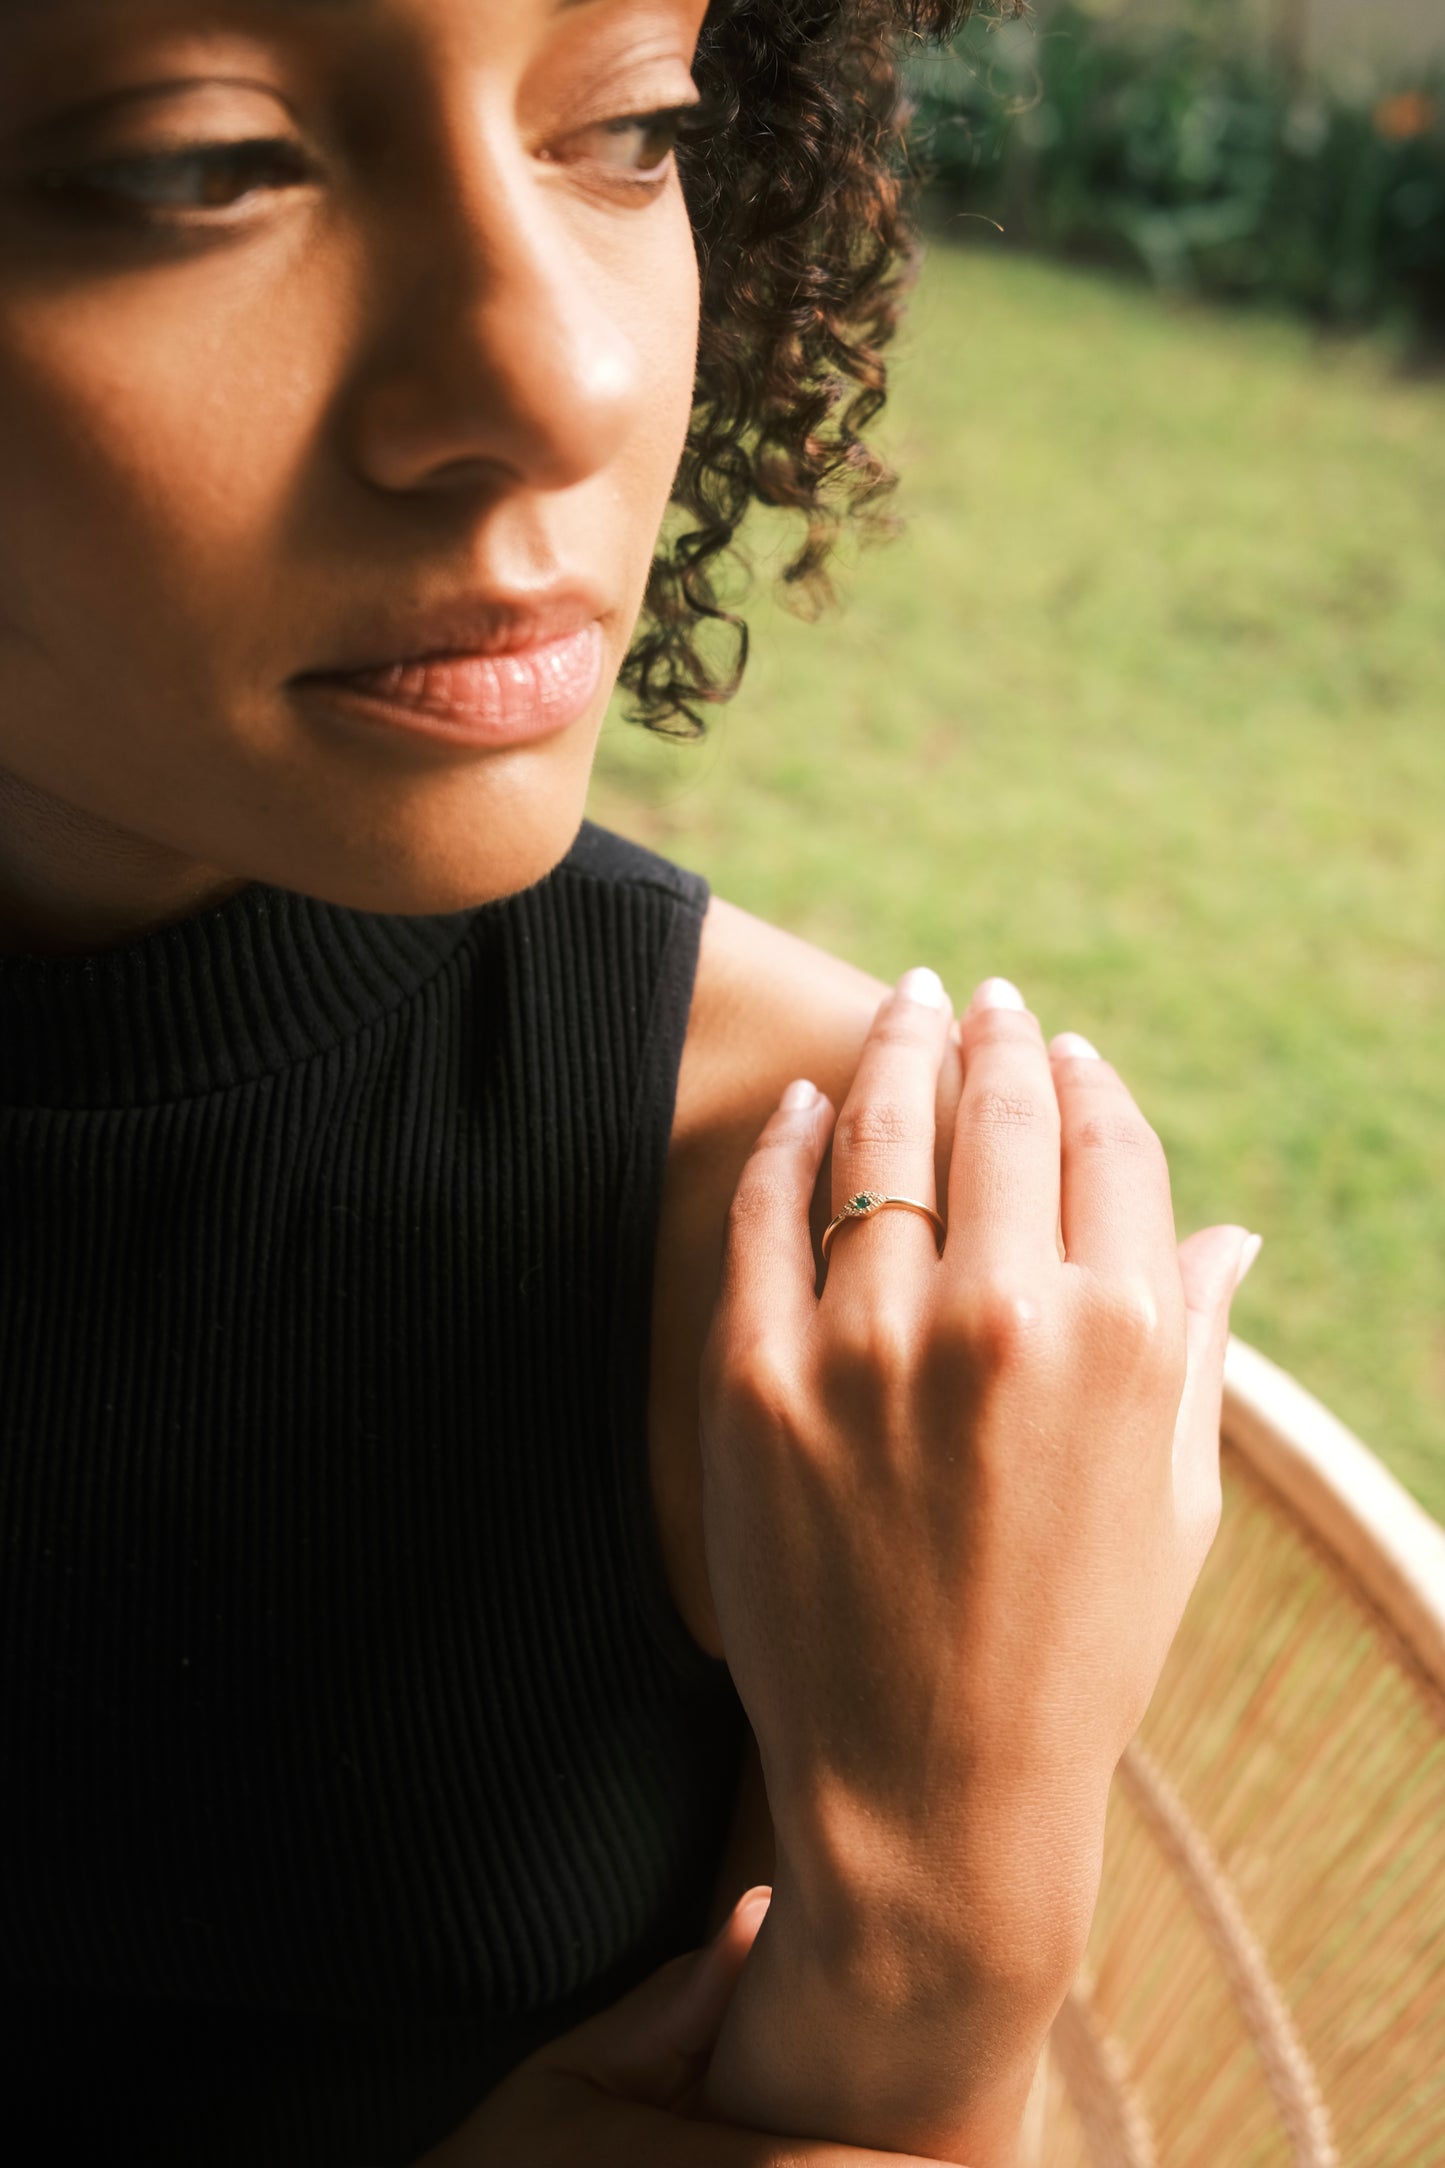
1142	710
1197	157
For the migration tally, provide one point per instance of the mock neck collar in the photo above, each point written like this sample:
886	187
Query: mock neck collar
263	980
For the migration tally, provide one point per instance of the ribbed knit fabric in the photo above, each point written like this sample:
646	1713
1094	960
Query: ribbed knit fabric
350	1742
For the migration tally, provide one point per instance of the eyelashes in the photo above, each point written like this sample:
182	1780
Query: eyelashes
198	177
184	185
657	133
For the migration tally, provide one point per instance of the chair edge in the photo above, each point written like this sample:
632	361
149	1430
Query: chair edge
1344	1494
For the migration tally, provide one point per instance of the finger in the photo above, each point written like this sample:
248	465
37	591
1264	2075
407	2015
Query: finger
647	2049
945	1110
1115	1205
1212	1265
884	1138
768	1269
562	2119
696	2018
654	2043
616	2133
1003	1178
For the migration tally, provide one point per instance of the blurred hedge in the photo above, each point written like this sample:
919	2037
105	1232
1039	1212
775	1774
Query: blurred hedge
1205	161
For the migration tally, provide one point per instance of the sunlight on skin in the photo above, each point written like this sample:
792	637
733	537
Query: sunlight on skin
441	346
320	327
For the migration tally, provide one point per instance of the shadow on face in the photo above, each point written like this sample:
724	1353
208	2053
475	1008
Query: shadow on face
331	332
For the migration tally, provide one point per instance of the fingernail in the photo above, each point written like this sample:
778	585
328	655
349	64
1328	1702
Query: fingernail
997	994
799	1095
754	1900
753	1904
921	984
1074	1043
698	2010
1247	1256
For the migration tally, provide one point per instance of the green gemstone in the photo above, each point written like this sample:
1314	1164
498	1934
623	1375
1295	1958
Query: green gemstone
863	1202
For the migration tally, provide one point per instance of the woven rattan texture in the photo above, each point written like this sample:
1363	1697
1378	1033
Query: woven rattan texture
1265	1982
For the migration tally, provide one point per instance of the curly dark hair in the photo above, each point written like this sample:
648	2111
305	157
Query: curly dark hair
794	182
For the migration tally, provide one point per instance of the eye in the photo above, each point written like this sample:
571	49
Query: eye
200	177
637	144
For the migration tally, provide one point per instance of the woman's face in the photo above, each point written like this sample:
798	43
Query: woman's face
266	413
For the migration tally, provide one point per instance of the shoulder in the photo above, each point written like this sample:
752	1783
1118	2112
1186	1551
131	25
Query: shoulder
766	1007
761	998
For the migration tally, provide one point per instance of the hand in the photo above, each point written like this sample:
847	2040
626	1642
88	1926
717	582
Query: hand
617	2091
954	1505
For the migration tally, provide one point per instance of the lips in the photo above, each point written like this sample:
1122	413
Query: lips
492	623
519	687
493	668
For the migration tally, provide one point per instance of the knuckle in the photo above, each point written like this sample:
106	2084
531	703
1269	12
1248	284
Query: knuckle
872	1354
764	1194
756	1380
779	1134
1131	1315
1000	1326
1113	1130
884	1338
998	1108
887	1122
1142	1335
904	1024
1003	1027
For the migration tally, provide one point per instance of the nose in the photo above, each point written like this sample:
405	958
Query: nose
500	351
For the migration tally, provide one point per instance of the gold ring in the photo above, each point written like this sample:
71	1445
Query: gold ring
866	1203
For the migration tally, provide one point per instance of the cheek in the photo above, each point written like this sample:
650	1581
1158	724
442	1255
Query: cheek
139	445
161	462
667	306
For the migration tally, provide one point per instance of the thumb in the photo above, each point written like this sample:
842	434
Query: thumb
653	2044
1212	1263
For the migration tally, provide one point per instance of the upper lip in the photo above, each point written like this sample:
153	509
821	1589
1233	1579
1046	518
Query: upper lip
500	621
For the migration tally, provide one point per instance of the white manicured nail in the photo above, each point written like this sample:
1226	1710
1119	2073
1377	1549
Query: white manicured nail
1247	1256
921	984
1074	1042
997	994
799	1095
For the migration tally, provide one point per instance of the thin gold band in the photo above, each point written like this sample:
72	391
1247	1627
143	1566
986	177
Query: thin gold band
866	1203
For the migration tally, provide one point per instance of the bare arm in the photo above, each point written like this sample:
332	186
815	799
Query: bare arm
801	2019
953	1509
800	2011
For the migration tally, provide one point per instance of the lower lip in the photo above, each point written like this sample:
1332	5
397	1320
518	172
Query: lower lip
493	701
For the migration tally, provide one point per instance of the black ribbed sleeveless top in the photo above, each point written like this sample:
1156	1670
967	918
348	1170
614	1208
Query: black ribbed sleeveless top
350	1742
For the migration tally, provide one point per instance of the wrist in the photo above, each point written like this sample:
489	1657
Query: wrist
882	2035
999	1898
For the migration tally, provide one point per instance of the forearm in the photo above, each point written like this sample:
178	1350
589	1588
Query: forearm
899	2023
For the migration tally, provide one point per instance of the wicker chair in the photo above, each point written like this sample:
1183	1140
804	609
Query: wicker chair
1265	1982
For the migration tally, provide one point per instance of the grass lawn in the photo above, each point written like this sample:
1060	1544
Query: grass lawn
1144	711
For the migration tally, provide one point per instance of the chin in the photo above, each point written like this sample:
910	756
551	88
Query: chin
374	826
474	860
